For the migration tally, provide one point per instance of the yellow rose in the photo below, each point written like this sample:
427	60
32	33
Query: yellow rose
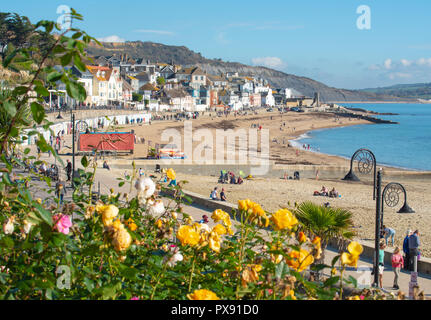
131	224
121	239
220	229
171	174
243	204
117	225
219	215
159	223
188	236
299	260
351	258
108	214
214	242
302	237
202	294
283	219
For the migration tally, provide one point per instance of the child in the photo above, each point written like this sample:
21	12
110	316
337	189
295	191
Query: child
397	264
381	263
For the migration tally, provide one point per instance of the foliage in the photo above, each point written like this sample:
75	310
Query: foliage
161	81
137	97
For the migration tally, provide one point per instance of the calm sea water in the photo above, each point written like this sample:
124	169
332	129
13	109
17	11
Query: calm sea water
406	145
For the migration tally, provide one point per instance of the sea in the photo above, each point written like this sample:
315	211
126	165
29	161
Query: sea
406	145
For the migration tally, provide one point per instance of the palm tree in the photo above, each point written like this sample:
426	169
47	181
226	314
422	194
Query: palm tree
325	222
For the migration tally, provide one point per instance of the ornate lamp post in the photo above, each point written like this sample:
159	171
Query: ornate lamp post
390	195
366	164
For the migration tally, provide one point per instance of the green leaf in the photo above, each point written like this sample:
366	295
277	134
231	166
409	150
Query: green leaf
78	62
20	90
331	281
84	161
10	108
7	242
352	280
54	76
334	261
89	284
109	292
44	214
66	59
76	91
41	90
38	112
129	273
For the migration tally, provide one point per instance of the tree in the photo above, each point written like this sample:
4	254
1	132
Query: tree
16	30
161	81
137	97
325	222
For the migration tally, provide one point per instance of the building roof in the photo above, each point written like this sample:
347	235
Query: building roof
192	71
143	76
148	87
101	73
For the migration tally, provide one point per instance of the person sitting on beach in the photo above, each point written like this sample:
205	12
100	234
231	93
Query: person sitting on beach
240	181
213	195
324	191
333	193
232	178
223	195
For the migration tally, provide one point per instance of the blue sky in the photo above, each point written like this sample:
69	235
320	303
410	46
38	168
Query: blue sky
312	38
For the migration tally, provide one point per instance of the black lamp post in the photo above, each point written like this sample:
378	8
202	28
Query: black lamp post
366	164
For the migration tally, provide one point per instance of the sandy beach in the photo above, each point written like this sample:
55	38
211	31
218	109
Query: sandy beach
273	192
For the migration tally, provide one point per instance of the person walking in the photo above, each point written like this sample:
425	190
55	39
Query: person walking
406	250
397	264
60	190
69	170
389	232
414	244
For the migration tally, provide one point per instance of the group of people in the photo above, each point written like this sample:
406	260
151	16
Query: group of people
214	195
324	192
408	262
229	177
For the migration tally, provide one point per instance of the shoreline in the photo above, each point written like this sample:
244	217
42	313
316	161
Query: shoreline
296	144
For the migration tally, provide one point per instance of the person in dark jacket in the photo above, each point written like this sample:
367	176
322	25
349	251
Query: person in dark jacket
414	244
406	250
69	170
